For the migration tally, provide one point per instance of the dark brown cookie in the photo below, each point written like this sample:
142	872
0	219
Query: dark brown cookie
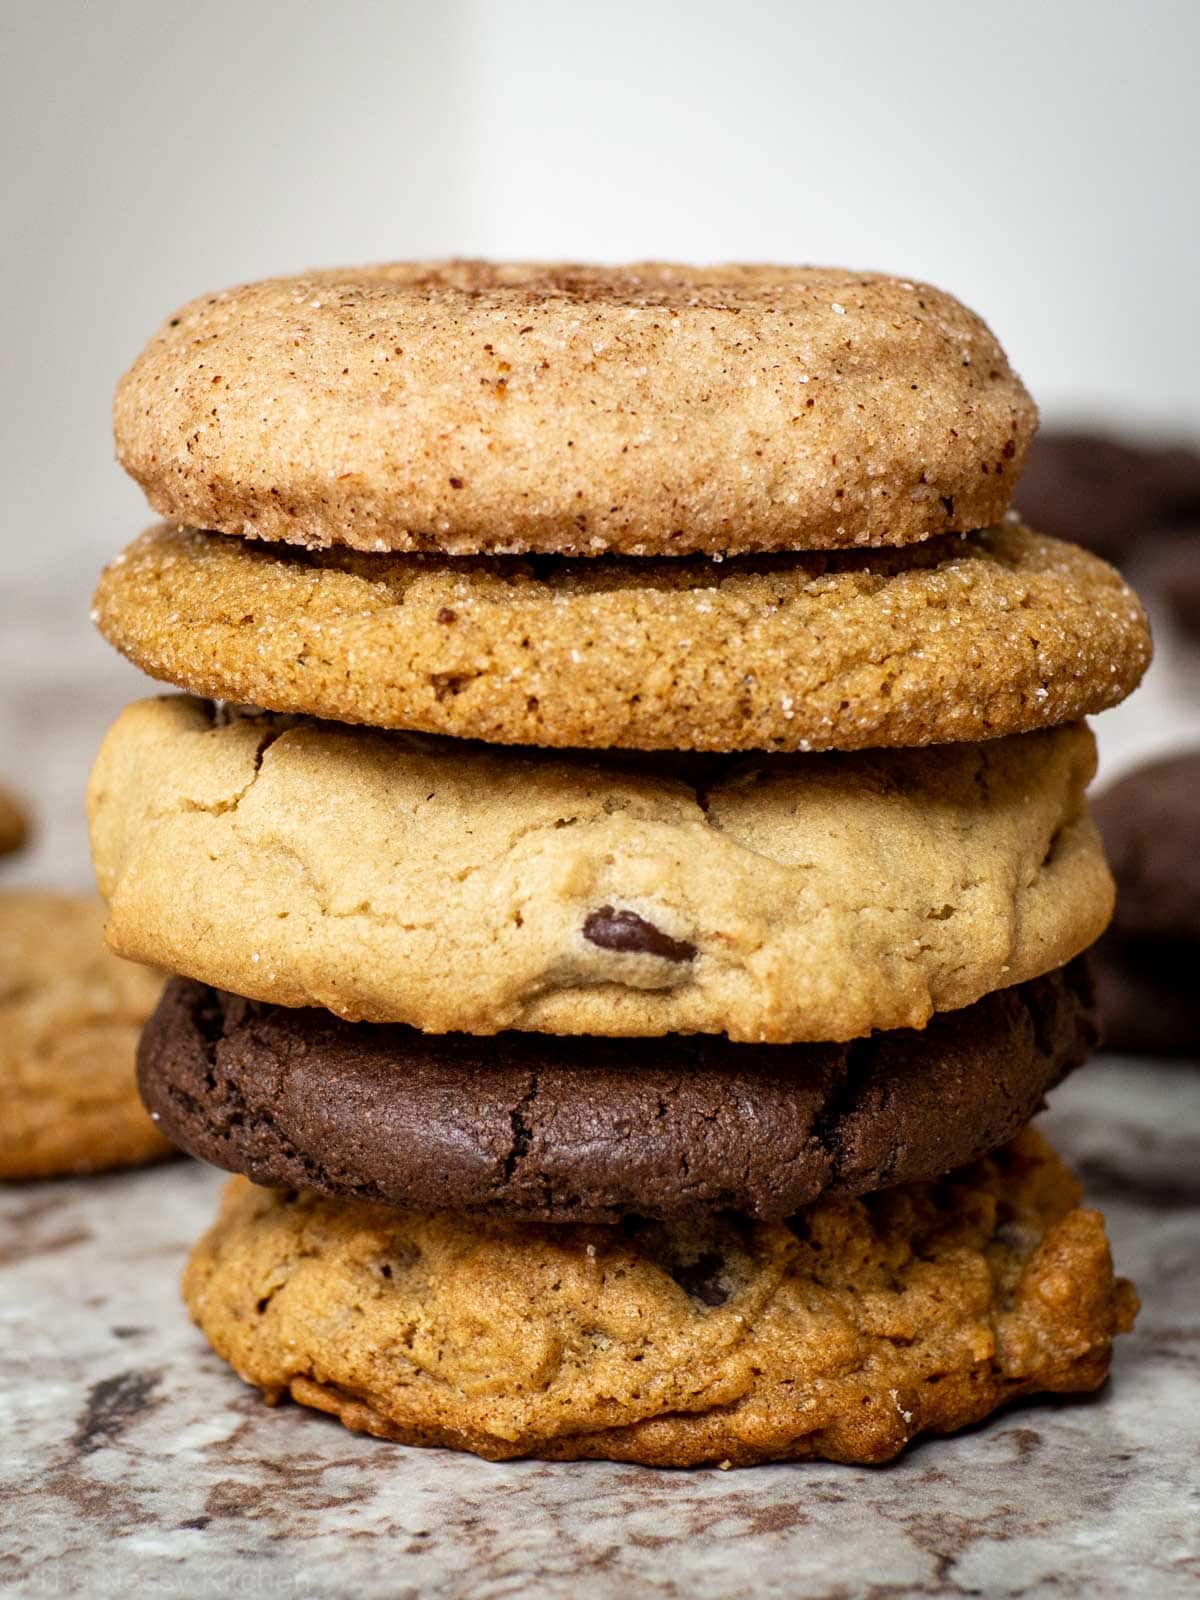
588	1129
1147	997
1109	494
1150	823
1145	966
1174	574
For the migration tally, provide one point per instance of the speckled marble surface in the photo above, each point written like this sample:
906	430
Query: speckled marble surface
133	1461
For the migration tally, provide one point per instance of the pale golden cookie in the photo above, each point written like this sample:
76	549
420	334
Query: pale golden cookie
842	1334
652	409
70	1015
957	639
404	878
14	826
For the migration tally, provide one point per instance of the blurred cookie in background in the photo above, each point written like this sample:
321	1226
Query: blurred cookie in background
14	824
70	1016
1117	497
1174	575
1145	966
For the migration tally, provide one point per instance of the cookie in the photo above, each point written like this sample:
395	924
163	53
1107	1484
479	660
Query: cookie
456	887
14	826
587	1130
1109	494
957	639
1146	996
842	1334
465	406
1146	964
1150	822
70	1015
1174	574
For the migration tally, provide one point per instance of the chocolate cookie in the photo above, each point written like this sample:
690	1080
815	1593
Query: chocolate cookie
1174	574
1110	494
1146	964
395	877
469	406
1146	995
585	1130
955	639
842	1334
1150	823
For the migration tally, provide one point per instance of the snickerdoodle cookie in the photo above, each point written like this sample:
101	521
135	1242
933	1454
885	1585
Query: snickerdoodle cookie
469	406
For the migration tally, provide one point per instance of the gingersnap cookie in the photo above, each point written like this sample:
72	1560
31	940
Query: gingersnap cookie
957	639
588	1130
458	887
841	1334
14	825
653	409
70	1014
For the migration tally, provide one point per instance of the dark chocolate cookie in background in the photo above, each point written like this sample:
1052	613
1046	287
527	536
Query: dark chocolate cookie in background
1148	820
1146	994
1146	964
1173	572
587	1129
1110	494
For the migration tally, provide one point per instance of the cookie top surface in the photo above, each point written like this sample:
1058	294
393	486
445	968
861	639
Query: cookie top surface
466	406
842	1335
70	1015
459	887
956	639
14	824
587	1130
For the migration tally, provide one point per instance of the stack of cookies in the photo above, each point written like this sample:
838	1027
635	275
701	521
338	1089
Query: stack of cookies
624	852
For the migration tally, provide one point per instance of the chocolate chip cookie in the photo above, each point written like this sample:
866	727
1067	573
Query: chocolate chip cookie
458	887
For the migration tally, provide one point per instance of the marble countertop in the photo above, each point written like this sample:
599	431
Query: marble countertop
132	1461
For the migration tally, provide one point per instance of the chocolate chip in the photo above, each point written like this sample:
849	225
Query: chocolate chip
626	931
445	616
701	1279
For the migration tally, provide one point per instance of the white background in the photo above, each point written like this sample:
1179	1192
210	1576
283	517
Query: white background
1039	160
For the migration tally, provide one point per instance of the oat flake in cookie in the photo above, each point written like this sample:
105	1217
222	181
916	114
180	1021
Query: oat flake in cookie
652	409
